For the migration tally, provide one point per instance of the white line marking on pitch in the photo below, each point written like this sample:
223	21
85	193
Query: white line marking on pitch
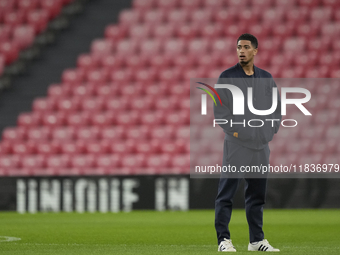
9	239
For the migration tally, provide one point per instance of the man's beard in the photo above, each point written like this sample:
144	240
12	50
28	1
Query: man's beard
244	63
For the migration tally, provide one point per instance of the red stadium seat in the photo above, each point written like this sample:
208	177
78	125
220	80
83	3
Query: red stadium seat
82	92
163	31
321	14
201	16
167	4
143	103
78	119
181	162
123	147
170	103
115	32
140	32
330	3
190	4
87	62
128	118
309	3
5	147
44	104
10	51
32	161
9	162
324	147
112	133
48	148
73	147
28	5
214	4
24	148
143	4
72	76
29	119
58	90
138	132
211	31
107	161
38	19
14	18
14	133
53	119
5	32
7	6
103	119
122	75
23	36
52	6
154	16
83	161
129	18
92	104
87	133
63	133
160	161
101	48
152	118
134	161
330	29
183	132
177	17
162	132
39	133
58	162
98	147
68	105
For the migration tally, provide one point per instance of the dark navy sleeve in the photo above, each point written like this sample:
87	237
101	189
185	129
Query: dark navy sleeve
225	110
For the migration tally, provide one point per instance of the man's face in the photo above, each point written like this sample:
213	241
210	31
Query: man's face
245	51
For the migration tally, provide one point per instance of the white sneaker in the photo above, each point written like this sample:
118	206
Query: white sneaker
261	246
226	246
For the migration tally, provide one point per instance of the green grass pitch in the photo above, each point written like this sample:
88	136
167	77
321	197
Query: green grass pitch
148	232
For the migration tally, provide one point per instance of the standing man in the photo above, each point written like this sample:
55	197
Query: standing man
245	144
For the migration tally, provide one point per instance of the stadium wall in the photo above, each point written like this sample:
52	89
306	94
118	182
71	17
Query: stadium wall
126	193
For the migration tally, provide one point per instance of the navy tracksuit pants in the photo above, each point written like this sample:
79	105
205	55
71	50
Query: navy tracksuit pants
255	190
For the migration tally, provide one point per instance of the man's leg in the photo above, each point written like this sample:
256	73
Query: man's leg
255	194
223	207
233	155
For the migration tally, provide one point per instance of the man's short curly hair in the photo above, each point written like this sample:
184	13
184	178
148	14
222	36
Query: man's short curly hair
250	38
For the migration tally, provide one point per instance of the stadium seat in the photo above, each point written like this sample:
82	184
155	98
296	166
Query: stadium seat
52	6
73	147
64	133
48	148
83	161
58	162
78	119
10	51
87	133
38	19
23	36
113	133
115	32
14	134
143	4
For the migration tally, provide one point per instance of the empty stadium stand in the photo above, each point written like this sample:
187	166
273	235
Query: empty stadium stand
125	108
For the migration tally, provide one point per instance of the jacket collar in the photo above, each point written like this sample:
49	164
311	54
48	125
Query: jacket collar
255	69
